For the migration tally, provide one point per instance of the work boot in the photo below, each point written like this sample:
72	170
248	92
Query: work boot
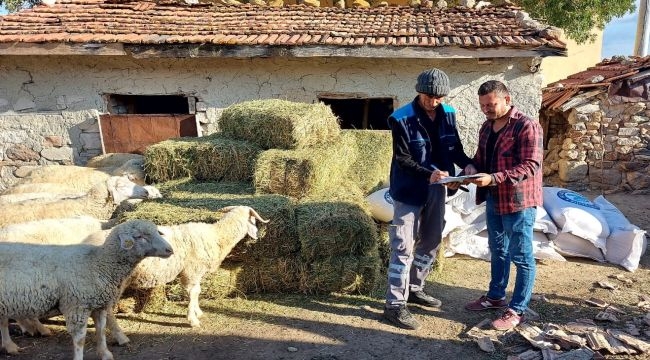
424	299
401	317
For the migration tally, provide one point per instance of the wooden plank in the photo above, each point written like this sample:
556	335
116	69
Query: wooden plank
21	48
248	51
132	133
581	99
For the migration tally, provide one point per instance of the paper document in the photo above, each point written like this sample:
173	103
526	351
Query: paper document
450	179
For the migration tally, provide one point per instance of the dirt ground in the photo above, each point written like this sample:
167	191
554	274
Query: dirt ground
350	327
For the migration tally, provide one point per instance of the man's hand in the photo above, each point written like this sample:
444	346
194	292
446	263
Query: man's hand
484	180
437	175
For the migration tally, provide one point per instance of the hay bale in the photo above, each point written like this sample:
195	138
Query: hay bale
334	228
187	201
371	168
211	158
269	275
280	124
344	274
305	172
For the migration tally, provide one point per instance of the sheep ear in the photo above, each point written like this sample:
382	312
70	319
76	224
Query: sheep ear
126	242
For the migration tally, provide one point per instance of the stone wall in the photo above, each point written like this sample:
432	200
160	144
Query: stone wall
599	146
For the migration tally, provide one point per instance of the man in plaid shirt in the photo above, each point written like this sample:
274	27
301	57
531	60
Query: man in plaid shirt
509	157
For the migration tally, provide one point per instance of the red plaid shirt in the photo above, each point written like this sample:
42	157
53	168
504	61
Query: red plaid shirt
516	164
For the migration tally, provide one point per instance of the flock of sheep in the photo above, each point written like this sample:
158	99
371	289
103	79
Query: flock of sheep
62	254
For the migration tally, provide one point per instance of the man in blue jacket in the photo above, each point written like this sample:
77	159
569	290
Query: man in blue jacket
426	146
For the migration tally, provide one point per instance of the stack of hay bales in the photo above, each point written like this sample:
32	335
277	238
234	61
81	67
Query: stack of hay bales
296	167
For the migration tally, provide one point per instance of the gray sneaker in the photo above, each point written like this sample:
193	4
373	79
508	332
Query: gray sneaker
401	317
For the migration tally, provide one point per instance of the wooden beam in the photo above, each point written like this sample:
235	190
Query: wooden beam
20	48
248	51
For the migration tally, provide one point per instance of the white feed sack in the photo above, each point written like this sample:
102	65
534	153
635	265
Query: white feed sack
626	242
381	205
476	246
543	222
568	244
576	215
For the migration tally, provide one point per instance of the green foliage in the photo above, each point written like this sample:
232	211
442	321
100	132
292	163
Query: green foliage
577	17
15	5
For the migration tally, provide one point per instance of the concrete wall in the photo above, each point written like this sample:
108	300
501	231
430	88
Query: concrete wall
49	106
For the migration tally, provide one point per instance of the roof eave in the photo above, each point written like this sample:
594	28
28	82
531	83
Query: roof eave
249	51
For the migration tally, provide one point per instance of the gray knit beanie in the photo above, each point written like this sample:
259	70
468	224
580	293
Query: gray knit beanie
433	82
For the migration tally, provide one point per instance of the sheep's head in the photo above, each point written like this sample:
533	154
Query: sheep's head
142	238
153	192
122	188
249	213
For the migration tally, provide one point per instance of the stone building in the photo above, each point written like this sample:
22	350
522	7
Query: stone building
597	126
83	77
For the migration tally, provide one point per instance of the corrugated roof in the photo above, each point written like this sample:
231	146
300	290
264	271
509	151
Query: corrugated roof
96	21
592	81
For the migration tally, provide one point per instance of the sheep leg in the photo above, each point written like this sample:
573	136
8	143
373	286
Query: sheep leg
40	328
114	327
33	327
7	343
193	288
76	322
99	317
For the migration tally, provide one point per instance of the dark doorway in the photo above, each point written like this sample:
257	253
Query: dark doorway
361	113
148	104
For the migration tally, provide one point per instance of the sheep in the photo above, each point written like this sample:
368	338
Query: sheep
76	281
199	248
78	179
95	203
65	231
41	195
112	160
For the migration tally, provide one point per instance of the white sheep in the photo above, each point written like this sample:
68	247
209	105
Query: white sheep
76	281
78	179
199	249
99	202
64	231
40	195
112	160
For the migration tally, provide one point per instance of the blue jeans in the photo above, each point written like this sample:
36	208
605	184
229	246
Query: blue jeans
510	238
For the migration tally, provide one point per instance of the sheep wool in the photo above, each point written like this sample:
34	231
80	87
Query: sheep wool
65	231
99	202
77	281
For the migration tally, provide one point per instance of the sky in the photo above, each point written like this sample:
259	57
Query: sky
618	37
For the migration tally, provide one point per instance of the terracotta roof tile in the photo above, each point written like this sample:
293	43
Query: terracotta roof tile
600	75
148	22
